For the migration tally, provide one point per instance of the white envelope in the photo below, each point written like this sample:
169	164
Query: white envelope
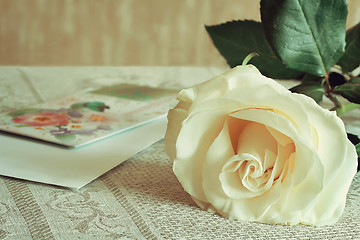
48	163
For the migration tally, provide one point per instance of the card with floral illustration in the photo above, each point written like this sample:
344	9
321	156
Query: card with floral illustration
89	116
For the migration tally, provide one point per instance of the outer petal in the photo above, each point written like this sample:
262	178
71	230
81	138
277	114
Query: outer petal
219	153
175	118
240	78
267	97
328	128
331	202
193	142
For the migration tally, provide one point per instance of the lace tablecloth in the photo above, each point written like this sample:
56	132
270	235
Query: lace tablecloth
139	199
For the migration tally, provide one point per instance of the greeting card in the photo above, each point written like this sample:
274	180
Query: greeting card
88	116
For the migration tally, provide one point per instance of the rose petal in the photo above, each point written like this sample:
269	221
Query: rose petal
243	78
212	89
175	117
254	139
231	182
282	158
268	97
332	199
280	137
190	155
248	209
327	131
304	150
218	154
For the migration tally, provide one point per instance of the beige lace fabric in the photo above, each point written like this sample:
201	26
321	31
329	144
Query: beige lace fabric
139	199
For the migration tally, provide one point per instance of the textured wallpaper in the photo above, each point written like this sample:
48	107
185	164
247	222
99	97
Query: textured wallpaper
119	32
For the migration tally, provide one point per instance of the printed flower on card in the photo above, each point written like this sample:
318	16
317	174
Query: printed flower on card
247	148
97	118
41	119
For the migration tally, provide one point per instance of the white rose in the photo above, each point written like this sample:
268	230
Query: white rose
247	148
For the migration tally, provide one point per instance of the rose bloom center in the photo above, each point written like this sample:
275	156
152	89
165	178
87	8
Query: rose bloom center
261	157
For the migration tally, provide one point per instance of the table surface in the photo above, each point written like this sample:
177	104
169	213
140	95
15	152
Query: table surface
139	199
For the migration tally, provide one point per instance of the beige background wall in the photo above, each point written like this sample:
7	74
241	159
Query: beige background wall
119	32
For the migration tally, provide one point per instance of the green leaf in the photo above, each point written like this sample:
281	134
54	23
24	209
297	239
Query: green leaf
312	89
96	106
349	90
351	58
311	78
308	36
235	40
24	111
